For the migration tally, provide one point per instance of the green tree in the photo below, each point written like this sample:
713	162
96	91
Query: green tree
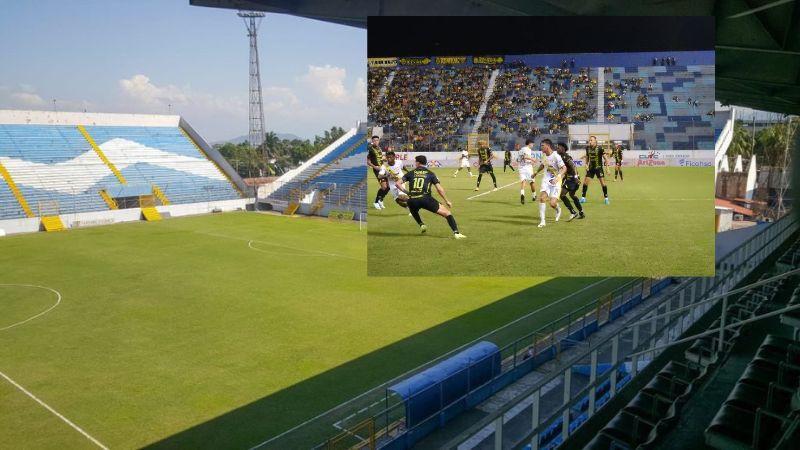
741	144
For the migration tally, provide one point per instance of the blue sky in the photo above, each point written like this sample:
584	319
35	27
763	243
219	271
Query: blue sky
139	56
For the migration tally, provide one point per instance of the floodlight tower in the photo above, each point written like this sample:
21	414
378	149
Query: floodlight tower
252	19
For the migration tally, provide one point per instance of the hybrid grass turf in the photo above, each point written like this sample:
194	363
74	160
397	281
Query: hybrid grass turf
221	331
659	223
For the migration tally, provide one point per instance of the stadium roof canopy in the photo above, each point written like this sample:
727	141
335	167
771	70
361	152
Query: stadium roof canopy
758	41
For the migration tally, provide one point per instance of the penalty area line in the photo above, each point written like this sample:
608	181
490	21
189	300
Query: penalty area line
56	413
490	191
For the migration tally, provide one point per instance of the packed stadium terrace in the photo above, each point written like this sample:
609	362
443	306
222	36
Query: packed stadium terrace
96	167
426	105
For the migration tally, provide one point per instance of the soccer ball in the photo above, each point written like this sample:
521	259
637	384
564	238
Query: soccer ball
382	172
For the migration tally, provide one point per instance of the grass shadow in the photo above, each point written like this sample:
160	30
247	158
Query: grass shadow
257	421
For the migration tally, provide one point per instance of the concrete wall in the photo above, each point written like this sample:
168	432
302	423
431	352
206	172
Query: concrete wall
20	117
96	218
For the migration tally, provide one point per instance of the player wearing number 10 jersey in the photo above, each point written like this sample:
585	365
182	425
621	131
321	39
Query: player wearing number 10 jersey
420	180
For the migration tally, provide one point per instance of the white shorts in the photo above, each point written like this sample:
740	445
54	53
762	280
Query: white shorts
525	173
550	189
465	163
393	189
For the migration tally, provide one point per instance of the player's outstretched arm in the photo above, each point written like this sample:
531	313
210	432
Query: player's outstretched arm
440	190
400	186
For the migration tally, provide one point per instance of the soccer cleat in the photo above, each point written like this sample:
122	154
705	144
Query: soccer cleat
558	214
470	174
380	202
410	215
495	188
606	201
459	236
377	205
581	215
476	189
522	199
454	175
583	199
572	216
423	228
541	225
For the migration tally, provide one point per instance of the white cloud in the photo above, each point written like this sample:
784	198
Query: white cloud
277	99
361	90
140	89
328	82
27	99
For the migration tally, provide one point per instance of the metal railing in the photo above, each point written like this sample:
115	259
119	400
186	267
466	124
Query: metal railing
528	421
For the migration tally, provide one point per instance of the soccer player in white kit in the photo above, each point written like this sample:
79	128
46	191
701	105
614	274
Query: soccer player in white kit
554	169
464	163
525	170
394	169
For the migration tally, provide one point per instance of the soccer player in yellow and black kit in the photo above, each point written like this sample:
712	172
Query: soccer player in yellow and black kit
420	181
375	162
507	159
595	160
570	183
485	160
616	153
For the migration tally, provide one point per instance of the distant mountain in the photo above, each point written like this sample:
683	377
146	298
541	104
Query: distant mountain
240	139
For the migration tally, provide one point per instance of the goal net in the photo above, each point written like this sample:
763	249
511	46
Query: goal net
607	135
475	140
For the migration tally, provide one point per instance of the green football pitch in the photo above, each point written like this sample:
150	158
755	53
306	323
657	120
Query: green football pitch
659	222
221	331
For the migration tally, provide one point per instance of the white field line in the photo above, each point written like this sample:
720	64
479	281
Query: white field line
249	241
250	244
490	191
58	301
56	413
451	352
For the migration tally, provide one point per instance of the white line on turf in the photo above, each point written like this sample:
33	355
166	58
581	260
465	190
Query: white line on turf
490	191
279	245
451	352
58	301
250	244
56	413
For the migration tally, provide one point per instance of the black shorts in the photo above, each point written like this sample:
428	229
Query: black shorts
595	170
379	176
427	202
569	185
485	168
619	163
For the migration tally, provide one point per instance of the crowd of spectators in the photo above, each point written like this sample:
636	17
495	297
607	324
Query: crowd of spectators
525	98
429	104
376	78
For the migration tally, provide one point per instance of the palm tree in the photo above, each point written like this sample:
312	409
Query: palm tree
741	144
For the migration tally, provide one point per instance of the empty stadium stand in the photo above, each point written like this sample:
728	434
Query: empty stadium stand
82	165
334	180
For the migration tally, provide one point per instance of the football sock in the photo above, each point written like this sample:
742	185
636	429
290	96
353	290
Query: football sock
620	174
452	222
605	191
494	180
480	175
415	215
577	202
383	193
567	203
522	191
585	187
542	209
378	196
